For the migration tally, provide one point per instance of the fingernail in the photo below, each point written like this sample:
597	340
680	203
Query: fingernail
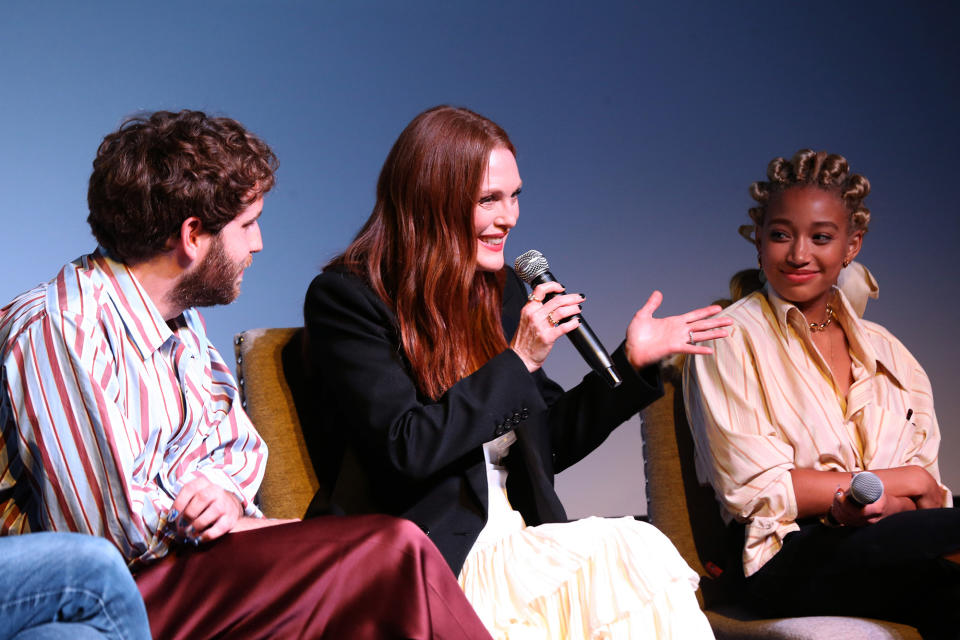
582	297
172	515
192	531
194	541
580	306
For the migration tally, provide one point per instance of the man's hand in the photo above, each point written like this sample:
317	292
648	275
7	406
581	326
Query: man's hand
203	511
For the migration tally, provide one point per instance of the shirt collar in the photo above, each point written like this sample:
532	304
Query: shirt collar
144	324
789	316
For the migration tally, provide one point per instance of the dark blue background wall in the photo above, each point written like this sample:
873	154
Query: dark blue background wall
639	128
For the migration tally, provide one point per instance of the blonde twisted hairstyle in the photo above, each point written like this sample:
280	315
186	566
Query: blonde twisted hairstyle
817	168
807	167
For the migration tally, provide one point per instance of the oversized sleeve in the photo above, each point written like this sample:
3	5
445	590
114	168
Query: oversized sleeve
228	450
354	348
908	436
738	448
66	439
925	445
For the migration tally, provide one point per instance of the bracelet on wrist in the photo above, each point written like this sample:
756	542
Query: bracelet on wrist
828	519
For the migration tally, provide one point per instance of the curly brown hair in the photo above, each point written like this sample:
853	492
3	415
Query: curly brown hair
818	168
159	169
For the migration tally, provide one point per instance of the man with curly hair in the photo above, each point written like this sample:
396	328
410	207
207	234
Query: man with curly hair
120	419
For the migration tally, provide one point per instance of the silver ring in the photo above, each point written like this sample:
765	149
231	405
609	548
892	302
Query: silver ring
533	298
691	341
550	320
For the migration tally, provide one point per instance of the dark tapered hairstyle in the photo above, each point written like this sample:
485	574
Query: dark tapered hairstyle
418	248
159	169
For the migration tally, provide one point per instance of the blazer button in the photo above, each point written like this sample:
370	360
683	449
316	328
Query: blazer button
515	419
524	414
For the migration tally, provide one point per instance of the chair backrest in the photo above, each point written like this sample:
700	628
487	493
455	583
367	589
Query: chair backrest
677	504
272	387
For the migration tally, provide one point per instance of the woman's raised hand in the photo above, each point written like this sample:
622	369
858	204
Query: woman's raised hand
651	339
540	323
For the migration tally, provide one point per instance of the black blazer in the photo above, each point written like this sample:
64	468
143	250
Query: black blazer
406	455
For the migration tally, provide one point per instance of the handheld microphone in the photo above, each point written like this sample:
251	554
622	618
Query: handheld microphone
865	488
534	269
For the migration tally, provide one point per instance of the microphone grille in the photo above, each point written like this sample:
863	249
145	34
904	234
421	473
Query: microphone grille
866	488
530	264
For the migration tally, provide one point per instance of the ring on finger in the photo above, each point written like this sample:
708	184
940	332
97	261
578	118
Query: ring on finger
533	298
551	320
691	340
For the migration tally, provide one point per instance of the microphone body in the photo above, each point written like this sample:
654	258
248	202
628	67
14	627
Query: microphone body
532	267
865	488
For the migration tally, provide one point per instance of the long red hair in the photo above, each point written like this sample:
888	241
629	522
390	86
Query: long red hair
418	248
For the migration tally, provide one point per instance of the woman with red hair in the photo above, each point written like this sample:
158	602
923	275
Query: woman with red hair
427	351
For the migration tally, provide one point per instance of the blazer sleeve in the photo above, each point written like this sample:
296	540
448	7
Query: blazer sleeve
579	420
353	347
582	418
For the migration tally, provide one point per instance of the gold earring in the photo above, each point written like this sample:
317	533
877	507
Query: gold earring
846	263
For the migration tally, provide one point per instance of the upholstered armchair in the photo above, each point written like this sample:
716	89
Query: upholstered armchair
275	394
689	515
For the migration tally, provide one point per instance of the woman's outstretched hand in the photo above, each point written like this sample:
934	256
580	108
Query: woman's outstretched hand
540	324
651	339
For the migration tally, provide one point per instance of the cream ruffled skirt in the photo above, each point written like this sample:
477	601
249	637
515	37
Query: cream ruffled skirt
592	578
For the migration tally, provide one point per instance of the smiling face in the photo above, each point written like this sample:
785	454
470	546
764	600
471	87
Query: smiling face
497	208
803	242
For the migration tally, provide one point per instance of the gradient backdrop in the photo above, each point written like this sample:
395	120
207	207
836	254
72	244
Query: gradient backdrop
639	128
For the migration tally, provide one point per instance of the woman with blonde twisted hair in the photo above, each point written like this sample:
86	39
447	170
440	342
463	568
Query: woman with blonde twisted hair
803	397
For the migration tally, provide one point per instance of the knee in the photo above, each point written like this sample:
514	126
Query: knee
401	533
96	556
406	530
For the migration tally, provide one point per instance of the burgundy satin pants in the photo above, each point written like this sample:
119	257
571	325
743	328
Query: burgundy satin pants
351	577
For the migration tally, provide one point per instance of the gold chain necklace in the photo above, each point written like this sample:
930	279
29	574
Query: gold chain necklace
820	326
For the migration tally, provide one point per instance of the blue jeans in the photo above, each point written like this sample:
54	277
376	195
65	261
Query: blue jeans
67	585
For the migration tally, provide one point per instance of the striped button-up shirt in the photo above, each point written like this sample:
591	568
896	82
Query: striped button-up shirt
107	411
766	402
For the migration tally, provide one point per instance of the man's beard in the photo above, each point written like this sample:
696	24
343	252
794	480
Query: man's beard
213	282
